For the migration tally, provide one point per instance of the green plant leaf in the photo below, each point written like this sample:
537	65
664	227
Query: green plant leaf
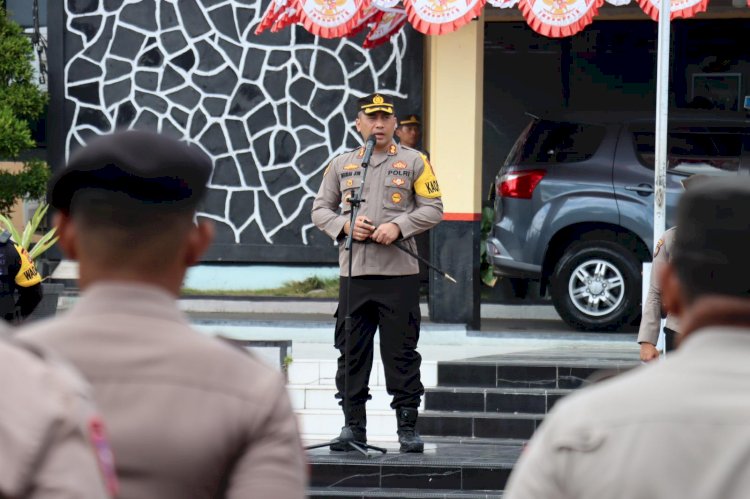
10	227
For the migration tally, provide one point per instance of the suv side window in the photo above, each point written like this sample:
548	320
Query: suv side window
691	150
561	142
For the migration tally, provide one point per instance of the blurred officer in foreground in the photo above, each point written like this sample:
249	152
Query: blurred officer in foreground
402	199
52	445
17	275
679	428
189	416
648	332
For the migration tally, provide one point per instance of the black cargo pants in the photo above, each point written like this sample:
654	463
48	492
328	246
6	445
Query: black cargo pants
390	303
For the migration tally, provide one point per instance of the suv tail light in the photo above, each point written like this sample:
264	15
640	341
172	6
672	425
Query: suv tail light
519	184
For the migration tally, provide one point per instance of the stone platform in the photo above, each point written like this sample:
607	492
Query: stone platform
475	422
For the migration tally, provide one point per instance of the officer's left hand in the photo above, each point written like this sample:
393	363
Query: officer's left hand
386	233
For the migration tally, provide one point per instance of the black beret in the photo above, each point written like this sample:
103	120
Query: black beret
374	103
143	165
713	234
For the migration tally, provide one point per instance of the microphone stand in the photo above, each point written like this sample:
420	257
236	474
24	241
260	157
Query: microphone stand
355	202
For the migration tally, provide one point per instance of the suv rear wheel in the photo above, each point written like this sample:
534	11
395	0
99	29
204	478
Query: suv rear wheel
596	286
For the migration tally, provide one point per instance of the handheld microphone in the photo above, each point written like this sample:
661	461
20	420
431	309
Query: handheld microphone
369	146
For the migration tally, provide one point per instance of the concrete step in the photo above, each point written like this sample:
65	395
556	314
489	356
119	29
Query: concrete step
518	426
323	372
324	397
510	400
365	493
473	470
325	424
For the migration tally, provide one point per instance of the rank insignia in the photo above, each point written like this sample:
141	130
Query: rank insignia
399	165
351	166
392	149
658	247
361	153
398	181
396	197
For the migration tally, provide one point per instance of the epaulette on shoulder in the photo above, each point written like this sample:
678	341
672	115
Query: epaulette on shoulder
4	237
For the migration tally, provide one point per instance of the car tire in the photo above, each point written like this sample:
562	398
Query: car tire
596	286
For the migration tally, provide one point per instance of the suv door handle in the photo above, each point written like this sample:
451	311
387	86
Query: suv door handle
641	189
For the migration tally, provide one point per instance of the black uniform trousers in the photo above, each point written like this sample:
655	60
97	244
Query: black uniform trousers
669	339
390	304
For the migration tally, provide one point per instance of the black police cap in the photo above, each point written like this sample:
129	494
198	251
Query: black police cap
712	242
143	165
374	103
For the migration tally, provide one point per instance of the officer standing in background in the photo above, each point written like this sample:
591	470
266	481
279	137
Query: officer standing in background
409	134
17	274
189	416
402	199
648	332
409	131
53	444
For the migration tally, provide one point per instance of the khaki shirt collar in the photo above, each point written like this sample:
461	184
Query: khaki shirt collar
114	297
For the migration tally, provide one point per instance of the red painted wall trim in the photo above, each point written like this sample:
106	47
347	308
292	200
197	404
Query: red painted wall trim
462	217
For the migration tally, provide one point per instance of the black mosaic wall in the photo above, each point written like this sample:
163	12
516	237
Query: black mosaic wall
271	110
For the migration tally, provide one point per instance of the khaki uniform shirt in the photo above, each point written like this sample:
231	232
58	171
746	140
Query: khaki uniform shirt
189	416
673	429
400	187
651	318
46	449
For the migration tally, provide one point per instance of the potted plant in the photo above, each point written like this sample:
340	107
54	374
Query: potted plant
25	239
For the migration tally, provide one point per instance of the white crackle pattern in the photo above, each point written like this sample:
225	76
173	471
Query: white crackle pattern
240	162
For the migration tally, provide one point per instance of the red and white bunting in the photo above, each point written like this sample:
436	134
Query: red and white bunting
559	18
678	8
370	15
618	3
503	4
287	18
330	18
389	24
273	11
389	4
437	17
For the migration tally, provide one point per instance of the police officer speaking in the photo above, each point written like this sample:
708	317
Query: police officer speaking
401	199
17	273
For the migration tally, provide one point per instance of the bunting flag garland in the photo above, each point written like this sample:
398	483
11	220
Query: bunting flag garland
678	8
287	18
273	11
388	24
389	4
329	18
370	15
559	18
340	18
505	4
437	17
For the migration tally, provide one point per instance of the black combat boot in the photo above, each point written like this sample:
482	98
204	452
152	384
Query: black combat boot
407	433
354	431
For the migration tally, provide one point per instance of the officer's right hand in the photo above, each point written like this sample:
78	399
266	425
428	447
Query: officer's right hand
362	228
648	352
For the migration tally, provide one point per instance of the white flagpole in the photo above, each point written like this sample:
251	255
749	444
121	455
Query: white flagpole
662	114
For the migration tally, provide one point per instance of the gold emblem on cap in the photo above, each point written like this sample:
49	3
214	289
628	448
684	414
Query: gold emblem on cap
396	197
378	99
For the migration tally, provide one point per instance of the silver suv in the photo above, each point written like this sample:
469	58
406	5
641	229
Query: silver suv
574	203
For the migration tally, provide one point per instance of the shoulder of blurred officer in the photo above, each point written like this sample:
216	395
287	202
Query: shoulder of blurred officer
46	415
